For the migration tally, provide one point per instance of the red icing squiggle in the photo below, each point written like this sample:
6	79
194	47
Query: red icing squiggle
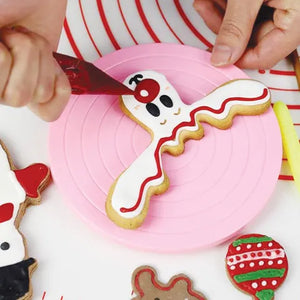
190	123
31	178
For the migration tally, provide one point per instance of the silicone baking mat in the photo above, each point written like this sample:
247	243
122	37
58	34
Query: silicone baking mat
217	185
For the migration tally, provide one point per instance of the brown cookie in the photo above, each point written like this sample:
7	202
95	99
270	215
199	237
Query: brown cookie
146	286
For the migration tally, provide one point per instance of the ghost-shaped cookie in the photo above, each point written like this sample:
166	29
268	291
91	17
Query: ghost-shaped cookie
158	108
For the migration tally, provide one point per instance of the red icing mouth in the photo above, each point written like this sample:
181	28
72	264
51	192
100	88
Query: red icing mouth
146	90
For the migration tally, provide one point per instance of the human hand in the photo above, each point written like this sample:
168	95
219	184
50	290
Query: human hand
247	41
30	75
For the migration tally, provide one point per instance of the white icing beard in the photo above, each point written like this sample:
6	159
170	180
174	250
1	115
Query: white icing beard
217	105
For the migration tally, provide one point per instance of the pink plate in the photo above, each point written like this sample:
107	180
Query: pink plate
217	185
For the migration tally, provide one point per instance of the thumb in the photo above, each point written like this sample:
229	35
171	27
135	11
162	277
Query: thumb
235	31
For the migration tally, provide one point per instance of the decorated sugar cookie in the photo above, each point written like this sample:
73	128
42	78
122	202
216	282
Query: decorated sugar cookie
18	189
146	286
157	107
257	265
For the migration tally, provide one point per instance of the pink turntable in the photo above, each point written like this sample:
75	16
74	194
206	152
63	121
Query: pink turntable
217	186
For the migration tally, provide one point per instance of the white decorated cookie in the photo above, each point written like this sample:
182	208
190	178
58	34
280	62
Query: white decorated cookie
158	108
18	189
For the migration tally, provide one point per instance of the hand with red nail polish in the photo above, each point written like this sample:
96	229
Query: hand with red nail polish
29	75
251	33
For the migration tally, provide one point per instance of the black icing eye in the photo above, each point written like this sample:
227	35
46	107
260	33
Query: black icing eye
156	298
4	246
166	100
137	78
153	109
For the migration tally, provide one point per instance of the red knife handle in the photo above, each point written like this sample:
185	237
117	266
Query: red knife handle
75	72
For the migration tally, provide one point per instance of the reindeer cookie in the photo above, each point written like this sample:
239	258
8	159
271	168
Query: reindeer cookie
157	107
18	189
147	287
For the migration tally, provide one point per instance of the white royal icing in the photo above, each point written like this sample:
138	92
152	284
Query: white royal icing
273	254
10	192
127	186
16	251
10	189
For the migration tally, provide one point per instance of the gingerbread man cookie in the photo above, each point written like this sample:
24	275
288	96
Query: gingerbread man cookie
146	286
157	107
257	265
18	189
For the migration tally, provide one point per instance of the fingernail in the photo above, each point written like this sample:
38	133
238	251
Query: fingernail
221	55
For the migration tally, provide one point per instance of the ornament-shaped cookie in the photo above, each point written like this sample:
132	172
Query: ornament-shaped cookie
18	189
257	265
157	107
146	286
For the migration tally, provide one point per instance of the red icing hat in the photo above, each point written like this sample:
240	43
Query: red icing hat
31	178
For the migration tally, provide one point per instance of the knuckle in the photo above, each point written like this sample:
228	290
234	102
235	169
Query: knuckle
42	43
44	92
230	28
24	43
17	97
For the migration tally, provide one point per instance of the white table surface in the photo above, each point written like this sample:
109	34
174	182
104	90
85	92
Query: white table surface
77	263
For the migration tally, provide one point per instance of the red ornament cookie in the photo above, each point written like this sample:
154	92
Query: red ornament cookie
146	286
257	265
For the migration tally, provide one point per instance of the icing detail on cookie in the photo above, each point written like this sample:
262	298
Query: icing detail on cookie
162	141
265	268
255	255
31	178
14	279
16	251
171	122
146	285
6	212
18	188
146	90
269	273
11	190
251	240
